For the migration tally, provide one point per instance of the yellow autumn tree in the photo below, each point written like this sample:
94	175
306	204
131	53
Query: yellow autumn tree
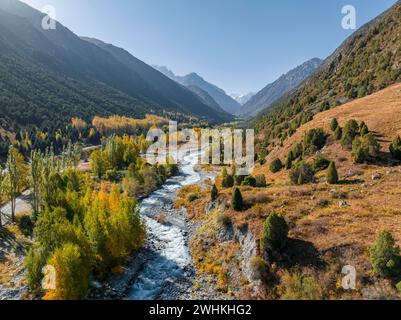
71	273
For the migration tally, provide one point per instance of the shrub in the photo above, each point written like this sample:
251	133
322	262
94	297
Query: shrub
214	193
385	255
302	173
258	268
112	175
338	133
261	181
349	133
313	140
398	287
276	165
262	156
237	201
334	125
331	174
323	203
296	287
395	148
320	164
249	181
274	234
223	219
192	197
365	148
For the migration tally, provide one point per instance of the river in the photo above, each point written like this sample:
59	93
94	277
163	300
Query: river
168	272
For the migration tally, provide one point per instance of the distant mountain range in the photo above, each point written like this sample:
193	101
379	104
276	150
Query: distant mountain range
366	62
193	80
276	90
49	76
242	98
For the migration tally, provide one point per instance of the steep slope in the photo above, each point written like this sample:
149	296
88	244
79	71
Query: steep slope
388	123
165	87
274	91
58	75
366	62
330	226
205	98
37	89
219	95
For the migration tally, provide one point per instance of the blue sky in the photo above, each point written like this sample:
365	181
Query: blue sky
239	45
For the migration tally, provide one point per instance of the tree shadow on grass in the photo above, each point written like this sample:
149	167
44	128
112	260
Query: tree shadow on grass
300	253
351	182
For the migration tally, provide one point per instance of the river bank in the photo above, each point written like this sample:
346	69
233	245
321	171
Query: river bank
163	268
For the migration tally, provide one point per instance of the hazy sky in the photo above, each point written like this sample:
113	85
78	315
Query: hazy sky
240	45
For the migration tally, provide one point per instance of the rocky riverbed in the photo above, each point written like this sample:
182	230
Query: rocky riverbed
163	268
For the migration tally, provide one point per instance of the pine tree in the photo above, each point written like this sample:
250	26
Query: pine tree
274	234
228	181
236	201
349	133
395	148
334	125
363	129
331	174
288	162
338	133
214	193
276	165
385	255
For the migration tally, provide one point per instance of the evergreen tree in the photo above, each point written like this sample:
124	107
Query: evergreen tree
276	165
331	174
274	234
349	133
214	193
334	125
237	201
363	129
385	256
249	181
288	162
395	148
366	148
261	181
228	181
338	133
301	173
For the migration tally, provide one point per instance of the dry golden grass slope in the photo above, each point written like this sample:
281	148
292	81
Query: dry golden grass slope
331	225
381	112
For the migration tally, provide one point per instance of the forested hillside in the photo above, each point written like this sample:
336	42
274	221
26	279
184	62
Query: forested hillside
49	76
368	61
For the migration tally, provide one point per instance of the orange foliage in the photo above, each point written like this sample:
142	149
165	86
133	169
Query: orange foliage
124	125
